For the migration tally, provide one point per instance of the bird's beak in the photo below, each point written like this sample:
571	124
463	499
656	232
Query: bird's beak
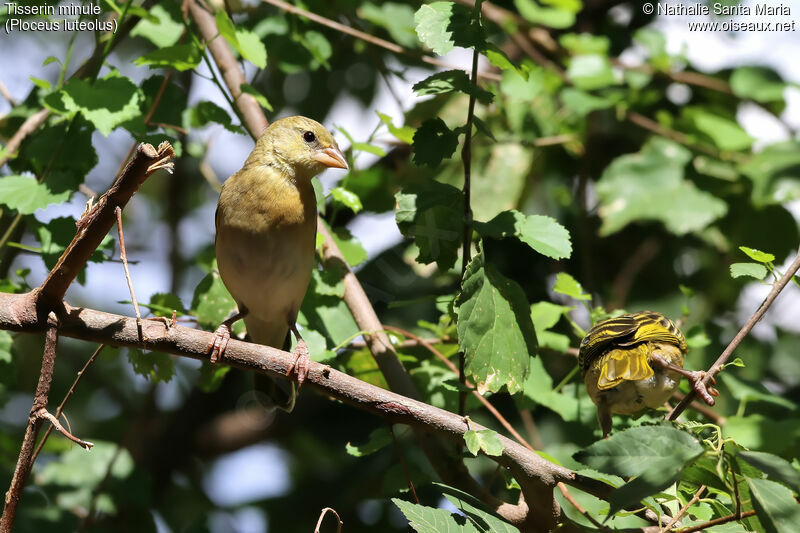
330	157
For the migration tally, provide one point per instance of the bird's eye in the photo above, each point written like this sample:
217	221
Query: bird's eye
309	137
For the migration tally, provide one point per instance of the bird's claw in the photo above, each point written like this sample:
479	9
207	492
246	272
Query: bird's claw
220	342
302	362
707	393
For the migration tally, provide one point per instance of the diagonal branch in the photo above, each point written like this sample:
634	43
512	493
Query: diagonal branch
95	223
726	354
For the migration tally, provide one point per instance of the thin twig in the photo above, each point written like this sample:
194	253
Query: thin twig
684	509
67	396
43	413
7	95
30	125
23	468
466	159
399	451
726	354
124	258
387	45
716	522
339	522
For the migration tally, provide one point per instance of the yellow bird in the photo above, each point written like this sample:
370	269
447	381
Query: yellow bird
266	231
633	362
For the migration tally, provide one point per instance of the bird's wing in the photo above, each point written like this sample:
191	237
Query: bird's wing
614	330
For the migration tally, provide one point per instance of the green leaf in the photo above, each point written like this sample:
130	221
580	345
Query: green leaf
106	103
155	366
180	57
397	19
211	376
726	134
637	450
350	247
319	47
433	214
43	84
753	270
650	185
444	25
585	43
251	47
377	440
206	112
566	284
163	32
162	304
758	83
748	391
591	71
776	508
584	103
430	520
77	468
484	440
6	340
543	234
481	516
25	195
433	141
498	58
777	468
404	133
255	93
370	148
495	330
57	234
757	255
347	199
212	303
774	172
452	81
559	16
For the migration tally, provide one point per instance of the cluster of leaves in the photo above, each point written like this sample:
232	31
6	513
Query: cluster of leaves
565	187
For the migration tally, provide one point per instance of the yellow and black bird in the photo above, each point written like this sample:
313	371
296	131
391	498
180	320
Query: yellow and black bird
633	362
266	233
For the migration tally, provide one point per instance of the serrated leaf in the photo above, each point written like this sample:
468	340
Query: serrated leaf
255	93
452	81
569	286
206	112
251	48
106	103
753	270
163	31
319	47
444	25
776	508
179	56
347	199
636	450
725	133
757	255
433	214
404	133
495	331
650	185
430	520
484	440
25	195
777	468
212	303
433	141
543	234
377	440
481	516
155	366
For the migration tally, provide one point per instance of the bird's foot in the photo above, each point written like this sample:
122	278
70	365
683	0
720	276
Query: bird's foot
219	343
707	393
301	363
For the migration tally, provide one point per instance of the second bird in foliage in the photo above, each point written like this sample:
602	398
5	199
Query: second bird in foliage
266	232
633	362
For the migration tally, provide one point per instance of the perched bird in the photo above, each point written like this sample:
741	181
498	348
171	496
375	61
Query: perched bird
635	361
266	231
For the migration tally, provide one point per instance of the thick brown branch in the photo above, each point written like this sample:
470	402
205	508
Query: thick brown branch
96	223
18	314
248	107
24	464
